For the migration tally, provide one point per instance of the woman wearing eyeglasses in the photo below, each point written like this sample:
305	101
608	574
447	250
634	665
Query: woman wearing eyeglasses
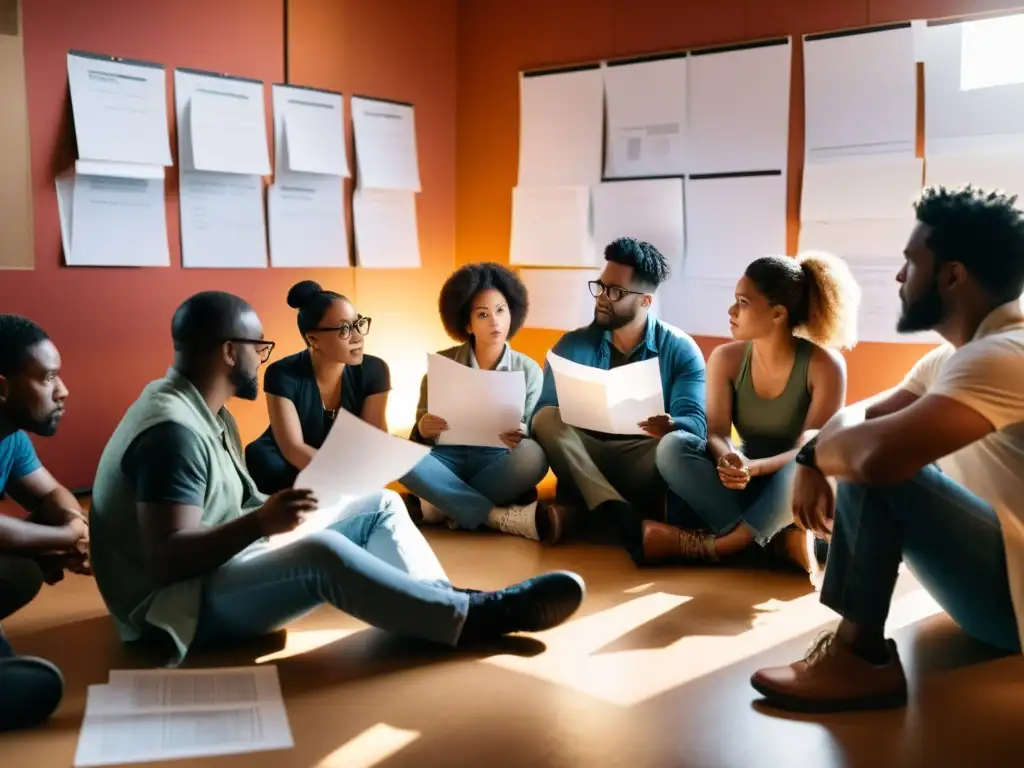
482	306
306	390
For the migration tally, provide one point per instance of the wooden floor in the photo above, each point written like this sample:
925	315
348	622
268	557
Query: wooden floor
652	672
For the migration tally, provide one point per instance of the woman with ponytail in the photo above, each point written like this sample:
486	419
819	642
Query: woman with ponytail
777	384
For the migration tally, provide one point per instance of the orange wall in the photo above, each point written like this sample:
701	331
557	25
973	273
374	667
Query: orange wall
498	38
112	325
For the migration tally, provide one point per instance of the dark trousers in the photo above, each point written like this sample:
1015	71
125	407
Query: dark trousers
30	688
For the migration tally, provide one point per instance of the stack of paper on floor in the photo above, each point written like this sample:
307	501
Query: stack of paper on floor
163	714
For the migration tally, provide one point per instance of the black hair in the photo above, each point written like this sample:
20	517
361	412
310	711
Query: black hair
466	283
207	319
982	230
17	336
649	266
819	293
312	301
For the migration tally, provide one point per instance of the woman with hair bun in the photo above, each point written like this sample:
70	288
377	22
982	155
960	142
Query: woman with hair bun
306	390
777	384
482	306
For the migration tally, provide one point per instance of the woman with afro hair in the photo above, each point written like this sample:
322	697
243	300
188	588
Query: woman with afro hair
777	384
483	306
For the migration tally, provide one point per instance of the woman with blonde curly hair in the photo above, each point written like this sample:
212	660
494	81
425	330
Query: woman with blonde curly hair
777	384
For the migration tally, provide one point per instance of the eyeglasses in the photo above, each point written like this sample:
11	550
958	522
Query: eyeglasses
361	325
613	292
263	347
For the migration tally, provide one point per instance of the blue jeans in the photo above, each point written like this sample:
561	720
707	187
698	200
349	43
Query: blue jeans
950	539
467	482
765	506
372	563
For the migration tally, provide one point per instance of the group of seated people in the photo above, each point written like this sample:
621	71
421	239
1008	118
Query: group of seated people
928	473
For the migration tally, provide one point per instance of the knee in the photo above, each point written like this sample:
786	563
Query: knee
546	423
676	446
21	578
531	463
32	691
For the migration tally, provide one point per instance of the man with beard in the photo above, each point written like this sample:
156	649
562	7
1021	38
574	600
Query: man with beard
179	529
959	525
614	474
54	537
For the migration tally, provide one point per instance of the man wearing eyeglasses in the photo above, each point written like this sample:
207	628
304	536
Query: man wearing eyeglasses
179	529
614	473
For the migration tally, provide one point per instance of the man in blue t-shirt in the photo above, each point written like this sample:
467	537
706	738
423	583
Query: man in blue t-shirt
54	537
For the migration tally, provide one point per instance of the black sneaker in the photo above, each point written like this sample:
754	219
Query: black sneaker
534	605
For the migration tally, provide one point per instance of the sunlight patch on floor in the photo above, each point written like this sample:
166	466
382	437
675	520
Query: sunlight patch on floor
631	676
303	641
371	747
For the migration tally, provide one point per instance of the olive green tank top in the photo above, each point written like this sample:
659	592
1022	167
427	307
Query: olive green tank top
770	426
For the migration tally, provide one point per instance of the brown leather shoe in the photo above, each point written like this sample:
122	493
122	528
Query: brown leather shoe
558	519
663	543
832	678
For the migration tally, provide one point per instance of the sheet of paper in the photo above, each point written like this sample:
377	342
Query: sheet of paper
17	248
874	252
739	109
866	187
109	221
1000	169
646	104
357	459
610	401
860	94
561	119
120	109
559	298
385	139
649	210
973	98
309	131
306	221
700	305
386	229
149	715
718	244
551	227
478	405
222	223
222	123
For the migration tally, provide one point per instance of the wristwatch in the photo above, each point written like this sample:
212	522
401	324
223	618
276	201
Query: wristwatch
806	455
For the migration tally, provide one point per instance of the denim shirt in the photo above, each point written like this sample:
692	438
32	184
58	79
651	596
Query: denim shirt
680	359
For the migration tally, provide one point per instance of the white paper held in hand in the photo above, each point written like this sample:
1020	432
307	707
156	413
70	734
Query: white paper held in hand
357	459
478	405
611	401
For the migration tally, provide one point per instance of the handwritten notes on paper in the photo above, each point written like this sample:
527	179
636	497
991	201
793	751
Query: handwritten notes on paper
478	405
611	401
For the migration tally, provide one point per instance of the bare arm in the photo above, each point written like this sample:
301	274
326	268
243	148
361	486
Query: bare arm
287	430
375	411
827	383
47	501
720	401
178	547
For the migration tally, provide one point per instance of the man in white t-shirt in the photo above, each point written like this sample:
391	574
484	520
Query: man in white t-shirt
958	525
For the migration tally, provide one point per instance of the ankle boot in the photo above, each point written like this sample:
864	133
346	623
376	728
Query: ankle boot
663	543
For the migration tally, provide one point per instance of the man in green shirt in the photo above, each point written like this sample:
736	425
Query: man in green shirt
179	530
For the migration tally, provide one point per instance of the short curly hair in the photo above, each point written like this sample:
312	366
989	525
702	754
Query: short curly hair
459	290
983	230
650	269
17	336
